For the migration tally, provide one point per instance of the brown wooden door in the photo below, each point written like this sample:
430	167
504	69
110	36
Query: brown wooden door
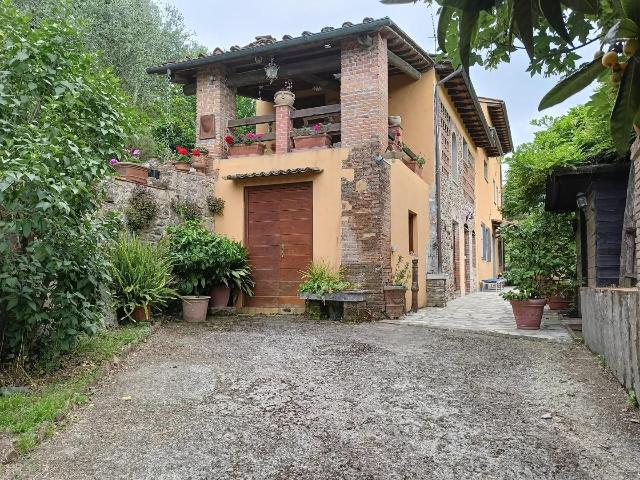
279	226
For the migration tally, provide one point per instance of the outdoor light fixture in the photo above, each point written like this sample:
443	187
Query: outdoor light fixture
581	200
271	70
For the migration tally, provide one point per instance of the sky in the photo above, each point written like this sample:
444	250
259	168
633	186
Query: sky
223	23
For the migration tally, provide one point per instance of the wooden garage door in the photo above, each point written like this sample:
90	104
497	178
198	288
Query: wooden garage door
279	226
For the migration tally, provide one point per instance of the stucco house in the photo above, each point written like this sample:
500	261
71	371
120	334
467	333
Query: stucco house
363	201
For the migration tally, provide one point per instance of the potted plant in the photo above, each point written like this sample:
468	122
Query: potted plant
394	294
128	166
232	273
197	159
141	275
244	145
561	294
416	164
193	250
311	137
182	160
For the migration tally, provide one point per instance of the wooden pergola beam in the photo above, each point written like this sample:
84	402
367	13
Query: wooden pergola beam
403	66
306	67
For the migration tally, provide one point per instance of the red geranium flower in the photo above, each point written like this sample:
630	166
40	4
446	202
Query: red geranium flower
182	151
228	139
195	152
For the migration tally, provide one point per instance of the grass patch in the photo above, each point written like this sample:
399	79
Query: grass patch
58	385
632	399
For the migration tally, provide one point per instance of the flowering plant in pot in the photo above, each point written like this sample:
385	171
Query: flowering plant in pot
315	136
416	164
182	159
394	294
245	144
193	251
128	166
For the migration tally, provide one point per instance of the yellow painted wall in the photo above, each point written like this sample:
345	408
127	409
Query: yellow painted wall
487	207
327	206
413	101
409	192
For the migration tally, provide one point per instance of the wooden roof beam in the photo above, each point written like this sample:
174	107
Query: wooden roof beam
403	66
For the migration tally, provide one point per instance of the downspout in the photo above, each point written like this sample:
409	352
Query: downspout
436	128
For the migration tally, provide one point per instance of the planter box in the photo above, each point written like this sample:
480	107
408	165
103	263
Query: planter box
200	166
321	140
182	166
348	305
394	300
560	303
346	296
132	171
413	166
246	150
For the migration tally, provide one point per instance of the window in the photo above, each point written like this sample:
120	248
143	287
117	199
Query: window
454	157
486	243
486	170
413	230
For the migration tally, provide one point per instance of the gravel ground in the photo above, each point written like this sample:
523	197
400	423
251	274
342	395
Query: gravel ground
289	398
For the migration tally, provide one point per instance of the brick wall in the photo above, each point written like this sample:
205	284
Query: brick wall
214	97
364	92
366	224
283	128
436	291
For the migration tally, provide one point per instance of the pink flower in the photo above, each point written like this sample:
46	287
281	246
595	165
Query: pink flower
113	161
136	152
251	135
260	136
317	127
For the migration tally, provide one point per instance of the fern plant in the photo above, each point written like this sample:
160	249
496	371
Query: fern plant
141	274
320	278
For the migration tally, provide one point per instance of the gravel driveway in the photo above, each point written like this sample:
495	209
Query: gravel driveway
289	398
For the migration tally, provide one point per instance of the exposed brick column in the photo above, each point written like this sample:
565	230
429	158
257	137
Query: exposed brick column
364	91
283	128
215	98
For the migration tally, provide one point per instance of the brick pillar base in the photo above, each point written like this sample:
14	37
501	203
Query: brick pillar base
283	128
366	225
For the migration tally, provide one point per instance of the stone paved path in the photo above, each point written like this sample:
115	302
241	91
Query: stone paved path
288	398
485	312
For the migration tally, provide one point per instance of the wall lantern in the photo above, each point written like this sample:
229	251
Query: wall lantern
581	200
271	70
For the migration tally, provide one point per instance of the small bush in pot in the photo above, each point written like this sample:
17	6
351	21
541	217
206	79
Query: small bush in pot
232	273
193	251
141	276
394	294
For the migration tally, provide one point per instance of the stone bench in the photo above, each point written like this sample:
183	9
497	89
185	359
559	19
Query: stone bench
350	305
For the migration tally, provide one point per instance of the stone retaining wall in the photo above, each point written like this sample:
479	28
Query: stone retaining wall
611	328
170	188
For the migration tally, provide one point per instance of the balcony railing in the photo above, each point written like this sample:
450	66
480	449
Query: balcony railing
301	118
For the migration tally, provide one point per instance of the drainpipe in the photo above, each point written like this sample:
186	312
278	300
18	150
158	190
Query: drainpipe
436	128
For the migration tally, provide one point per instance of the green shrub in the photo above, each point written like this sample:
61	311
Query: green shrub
142	209
141	274
232	267
320	278
62	117
187	209
215	204
541	253
401	273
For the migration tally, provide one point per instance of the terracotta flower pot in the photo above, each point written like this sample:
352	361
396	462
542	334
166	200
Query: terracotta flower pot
141	314
528	313
220	295
322	140
182	166
199	165
394	300
559	303
414	166
132	171
284	97
194	308
241	150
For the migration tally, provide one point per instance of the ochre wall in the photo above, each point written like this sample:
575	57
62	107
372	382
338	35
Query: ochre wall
487	208
327	207
413	101
409	192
